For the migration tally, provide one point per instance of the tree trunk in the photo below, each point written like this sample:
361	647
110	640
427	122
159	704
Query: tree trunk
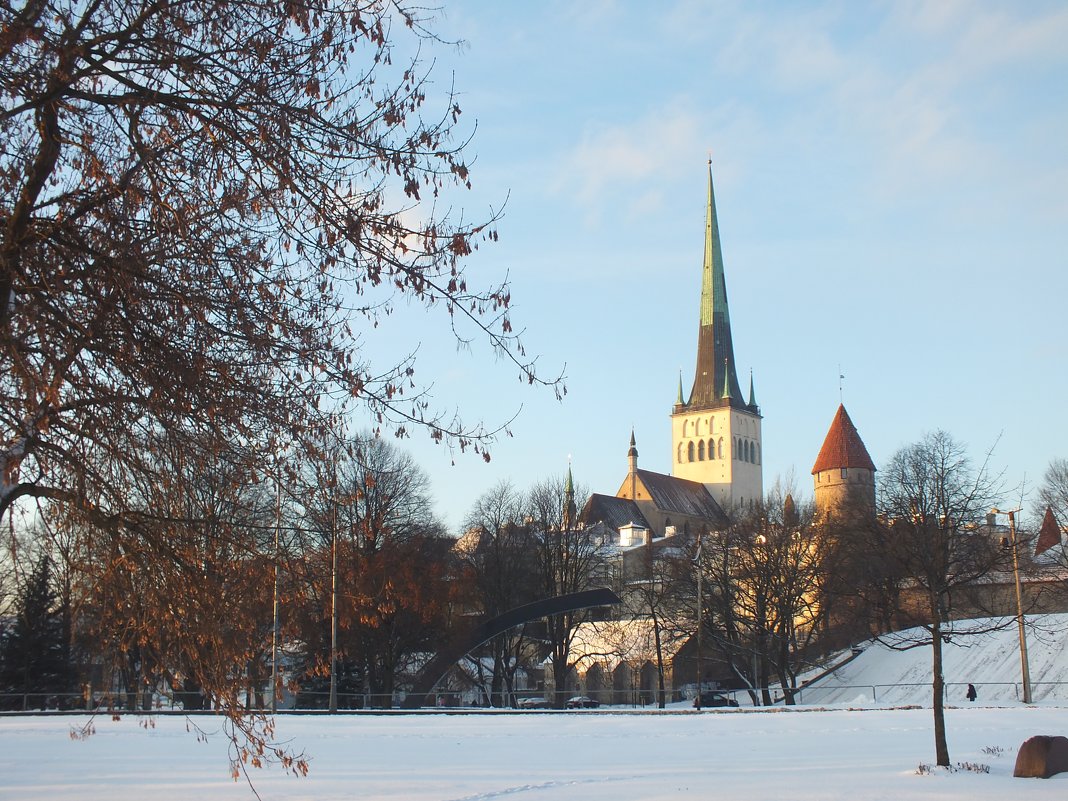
661	694
939	690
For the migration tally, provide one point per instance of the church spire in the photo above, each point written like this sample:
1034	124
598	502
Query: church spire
752	395
715	377
570	511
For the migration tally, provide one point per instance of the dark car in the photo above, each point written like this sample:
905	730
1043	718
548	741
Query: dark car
581	702
710	699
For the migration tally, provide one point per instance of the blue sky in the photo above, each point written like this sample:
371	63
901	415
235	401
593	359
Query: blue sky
892	189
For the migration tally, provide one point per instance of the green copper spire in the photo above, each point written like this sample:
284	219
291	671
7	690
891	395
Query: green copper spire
679	401
752	395
715	350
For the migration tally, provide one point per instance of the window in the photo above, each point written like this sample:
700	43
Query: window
680	453
700	450
843	472
689	452
721	447
711	449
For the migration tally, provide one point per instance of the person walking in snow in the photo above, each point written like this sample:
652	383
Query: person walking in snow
971	692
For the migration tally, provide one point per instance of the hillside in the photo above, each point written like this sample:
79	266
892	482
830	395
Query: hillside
884	676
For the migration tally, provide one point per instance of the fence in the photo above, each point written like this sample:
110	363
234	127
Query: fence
817	695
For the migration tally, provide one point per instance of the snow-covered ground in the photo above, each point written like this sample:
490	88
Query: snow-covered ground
852	750
535	756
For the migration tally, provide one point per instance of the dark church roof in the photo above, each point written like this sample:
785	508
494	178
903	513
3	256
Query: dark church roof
612	511
843	446
680	496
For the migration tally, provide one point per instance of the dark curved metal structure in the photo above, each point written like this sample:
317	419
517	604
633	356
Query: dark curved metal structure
482	631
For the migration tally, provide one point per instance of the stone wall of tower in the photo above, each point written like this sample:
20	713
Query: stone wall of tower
844	490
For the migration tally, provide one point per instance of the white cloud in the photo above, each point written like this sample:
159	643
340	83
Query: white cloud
613	160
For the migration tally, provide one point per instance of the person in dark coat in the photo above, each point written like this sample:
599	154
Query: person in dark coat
971	692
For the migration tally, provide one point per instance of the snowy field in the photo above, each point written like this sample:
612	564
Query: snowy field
848	747
546	756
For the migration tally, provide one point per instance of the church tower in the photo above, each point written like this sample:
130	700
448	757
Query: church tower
715	432
844	474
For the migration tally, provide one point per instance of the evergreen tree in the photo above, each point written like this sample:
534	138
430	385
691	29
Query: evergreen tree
34	652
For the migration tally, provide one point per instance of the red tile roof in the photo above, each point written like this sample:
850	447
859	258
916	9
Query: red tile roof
1049	535
842	446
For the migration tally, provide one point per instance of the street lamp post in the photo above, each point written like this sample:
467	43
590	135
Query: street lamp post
700	619
1024	670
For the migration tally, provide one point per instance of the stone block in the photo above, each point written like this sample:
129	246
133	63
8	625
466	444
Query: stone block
1042	756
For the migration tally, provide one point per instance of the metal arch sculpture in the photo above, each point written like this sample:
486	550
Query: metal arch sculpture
486	630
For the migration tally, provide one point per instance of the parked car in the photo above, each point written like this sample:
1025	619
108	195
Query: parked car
581	702
711	699
532	703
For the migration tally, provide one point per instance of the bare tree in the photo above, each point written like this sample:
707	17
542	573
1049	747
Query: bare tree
371	503
569	561
766	578
499	551
658	592
1053	493
933	501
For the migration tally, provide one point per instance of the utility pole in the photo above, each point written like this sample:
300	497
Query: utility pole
1025	671
333	592
274	630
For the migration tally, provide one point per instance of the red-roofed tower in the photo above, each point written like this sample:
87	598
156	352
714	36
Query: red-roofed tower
844	473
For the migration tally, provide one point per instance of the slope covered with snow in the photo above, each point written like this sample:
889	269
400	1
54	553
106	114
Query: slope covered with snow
991	661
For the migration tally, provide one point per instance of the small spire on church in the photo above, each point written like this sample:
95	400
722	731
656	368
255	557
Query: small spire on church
726	379
679	401
633	450
752	395
570	510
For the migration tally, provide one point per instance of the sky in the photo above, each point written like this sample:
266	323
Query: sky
890	184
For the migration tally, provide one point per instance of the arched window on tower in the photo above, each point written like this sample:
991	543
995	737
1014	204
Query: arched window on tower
711	449
757	453
689	451
721	447
697	427
735	451
680	453
700	450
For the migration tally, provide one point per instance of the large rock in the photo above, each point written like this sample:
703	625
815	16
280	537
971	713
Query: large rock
1041	757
